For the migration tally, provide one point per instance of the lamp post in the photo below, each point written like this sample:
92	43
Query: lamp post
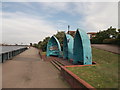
68	28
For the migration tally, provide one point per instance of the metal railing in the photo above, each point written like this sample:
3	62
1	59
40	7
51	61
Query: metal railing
9	55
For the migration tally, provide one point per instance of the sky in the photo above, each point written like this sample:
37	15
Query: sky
31	22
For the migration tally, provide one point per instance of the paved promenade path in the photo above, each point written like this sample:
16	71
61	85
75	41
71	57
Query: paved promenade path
107	47
27	70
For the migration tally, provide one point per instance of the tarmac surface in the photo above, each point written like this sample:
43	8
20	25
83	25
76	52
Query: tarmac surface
107	47
27	70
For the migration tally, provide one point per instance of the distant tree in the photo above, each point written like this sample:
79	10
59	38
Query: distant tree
35	45
110	33
119	30
60	36
39	42
118	34
43	44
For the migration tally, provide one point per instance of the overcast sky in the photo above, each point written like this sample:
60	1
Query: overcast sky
25	22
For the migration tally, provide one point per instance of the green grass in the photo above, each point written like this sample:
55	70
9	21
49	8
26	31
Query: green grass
43	53
102	75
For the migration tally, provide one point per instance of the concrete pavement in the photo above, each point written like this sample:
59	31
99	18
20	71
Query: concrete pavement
27	70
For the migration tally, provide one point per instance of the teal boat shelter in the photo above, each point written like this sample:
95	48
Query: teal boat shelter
68	47
82	48
53	47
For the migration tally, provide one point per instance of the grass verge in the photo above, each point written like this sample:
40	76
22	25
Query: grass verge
102	75
43	53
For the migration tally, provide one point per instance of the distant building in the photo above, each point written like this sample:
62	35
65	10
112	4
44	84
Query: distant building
91	34
72	33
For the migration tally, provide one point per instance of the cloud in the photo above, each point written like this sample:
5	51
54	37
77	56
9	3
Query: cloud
55	7
99	16
35	21
94	16
22	28
61	0
61	24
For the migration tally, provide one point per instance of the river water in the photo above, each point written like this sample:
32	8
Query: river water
4	49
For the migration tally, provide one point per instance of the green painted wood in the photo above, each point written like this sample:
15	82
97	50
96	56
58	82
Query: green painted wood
53	47
68	47
82	53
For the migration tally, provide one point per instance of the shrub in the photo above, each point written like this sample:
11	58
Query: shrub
111	41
